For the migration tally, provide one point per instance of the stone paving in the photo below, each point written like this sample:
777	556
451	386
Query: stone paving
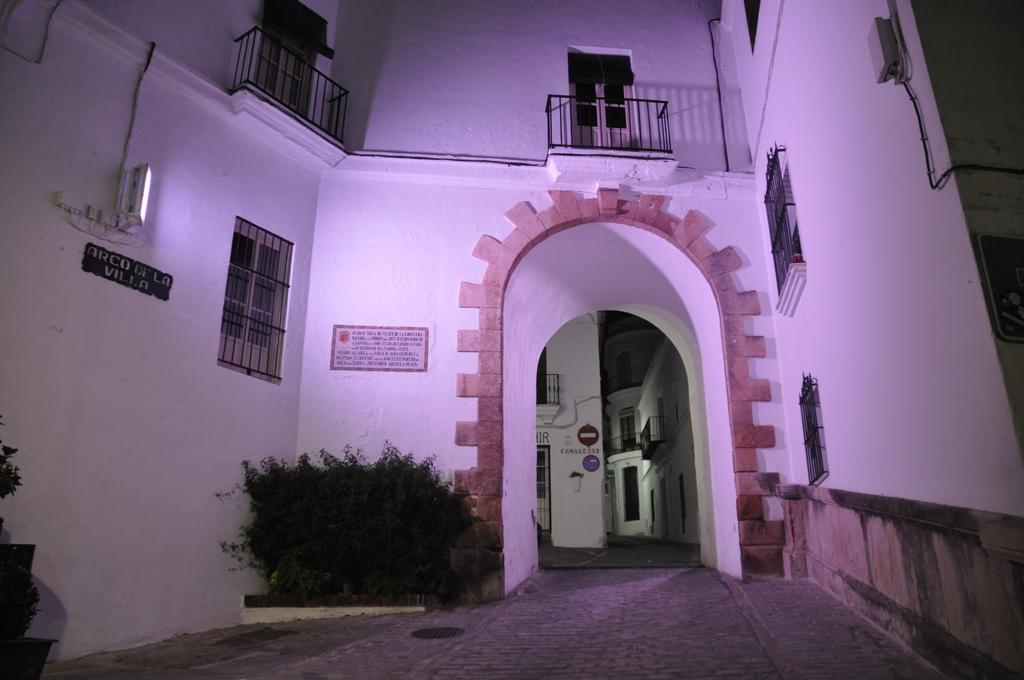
617	623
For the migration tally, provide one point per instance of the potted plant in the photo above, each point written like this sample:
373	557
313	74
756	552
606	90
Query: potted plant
20	657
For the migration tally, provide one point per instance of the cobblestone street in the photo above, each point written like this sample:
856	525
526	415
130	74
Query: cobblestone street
620	623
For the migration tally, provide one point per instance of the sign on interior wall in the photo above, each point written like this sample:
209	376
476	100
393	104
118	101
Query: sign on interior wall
1002	263
379	348
126	271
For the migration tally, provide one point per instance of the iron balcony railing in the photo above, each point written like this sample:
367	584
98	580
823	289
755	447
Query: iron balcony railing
266	65
621	445
631	378
547	389
652	435
621	123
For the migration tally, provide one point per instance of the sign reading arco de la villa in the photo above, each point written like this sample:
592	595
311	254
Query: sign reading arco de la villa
128	272
379	348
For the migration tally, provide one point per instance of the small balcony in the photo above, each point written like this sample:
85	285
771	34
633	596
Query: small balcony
266	65
652	435
621	445
625	379
547	389
620	123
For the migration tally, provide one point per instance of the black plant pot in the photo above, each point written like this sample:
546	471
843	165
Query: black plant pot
20	554
24	658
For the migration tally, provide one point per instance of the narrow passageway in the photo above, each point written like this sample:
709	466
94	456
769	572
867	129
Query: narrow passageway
622	552
584	623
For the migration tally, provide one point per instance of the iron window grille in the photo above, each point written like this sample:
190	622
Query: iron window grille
810	407
255	302
782	222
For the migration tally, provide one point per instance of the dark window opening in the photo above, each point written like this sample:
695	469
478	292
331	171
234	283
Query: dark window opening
631	494
295	23
627	428
810	407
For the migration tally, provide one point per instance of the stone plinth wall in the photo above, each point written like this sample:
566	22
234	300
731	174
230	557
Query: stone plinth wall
948	581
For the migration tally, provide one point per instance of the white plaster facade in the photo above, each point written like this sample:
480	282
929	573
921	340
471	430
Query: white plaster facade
577	512
128	428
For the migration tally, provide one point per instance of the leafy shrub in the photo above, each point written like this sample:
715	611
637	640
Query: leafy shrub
345	525
18	600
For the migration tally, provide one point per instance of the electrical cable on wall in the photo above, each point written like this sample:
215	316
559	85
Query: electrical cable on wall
718	89
115	226
902	76
131	119
46	39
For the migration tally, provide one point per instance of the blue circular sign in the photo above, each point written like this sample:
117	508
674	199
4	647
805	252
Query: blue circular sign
591	463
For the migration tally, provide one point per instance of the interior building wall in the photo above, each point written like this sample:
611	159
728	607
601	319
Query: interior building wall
126	426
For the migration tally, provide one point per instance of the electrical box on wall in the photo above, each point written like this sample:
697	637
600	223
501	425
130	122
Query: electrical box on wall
1002	269
885	51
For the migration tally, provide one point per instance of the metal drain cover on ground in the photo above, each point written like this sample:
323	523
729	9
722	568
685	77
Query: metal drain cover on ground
437	633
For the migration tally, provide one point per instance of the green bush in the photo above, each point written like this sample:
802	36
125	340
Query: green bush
18	600
346	525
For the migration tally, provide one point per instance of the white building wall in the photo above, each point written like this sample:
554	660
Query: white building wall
892	322
577	517
126	425
472	77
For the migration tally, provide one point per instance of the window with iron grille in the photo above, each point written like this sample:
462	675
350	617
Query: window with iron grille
782	224
255	302
810	412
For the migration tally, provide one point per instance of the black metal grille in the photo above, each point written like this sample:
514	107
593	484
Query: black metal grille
809	406
255	301
438	633
609	122
778	200
267	65
621	444
652	435
547	388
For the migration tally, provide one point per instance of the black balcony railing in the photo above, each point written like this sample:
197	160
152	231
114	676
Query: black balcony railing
632	378
282	74
621	445
608	123
652	435
547	388
778	201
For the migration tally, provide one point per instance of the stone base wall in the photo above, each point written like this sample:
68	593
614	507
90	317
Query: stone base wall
947	581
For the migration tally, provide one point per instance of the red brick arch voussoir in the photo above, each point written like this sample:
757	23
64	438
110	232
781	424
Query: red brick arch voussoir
477	556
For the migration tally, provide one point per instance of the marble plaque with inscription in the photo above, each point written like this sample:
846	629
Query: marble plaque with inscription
379	348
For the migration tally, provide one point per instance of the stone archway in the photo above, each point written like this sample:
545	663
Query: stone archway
478	553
